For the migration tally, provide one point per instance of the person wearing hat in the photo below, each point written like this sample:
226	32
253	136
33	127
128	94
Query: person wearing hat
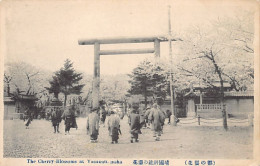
114	127
134	122
93	125
68	117
157	118
56	119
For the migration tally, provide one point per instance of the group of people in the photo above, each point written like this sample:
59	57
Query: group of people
113	123
56	116
68	116
151	116
138	118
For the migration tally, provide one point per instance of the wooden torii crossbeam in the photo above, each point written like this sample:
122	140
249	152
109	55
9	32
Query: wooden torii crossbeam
98	52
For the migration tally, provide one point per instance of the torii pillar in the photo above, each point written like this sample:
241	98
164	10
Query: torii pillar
98	52
96	79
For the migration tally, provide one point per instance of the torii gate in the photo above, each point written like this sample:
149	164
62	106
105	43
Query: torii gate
98	52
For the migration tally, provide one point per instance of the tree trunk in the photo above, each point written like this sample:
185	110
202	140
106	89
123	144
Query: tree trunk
65	99
224	114
8	90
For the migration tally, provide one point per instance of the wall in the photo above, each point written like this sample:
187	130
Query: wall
236	108
240	107
9	109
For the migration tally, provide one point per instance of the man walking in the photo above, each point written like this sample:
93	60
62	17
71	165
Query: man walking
114	127
142	111
146	115
134	122
68	116
93	125
103	115
27	118
56	119
156	117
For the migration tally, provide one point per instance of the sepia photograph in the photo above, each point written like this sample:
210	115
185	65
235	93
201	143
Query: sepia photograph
130	82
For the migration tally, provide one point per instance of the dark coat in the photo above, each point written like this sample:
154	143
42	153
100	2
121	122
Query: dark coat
56	117
168	113
103	114
69	117
134	120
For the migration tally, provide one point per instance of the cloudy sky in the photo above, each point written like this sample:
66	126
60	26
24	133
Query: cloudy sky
45	33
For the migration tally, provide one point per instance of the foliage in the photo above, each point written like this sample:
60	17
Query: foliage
149	78
114	87
66	81
24	78
221	51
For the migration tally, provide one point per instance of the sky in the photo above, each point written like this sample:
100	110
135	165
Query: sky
45	33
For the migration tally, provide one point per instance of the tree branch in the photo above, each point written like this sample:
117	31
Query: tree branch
197	76
7	79
193	58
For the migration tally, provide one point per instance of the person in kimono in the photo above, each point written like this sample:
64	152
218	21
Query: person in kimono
27	118
163	117
103	115
56	119
146	115
169	114
142	111
114	127
68	116
134	122
74	122
156	117
93	125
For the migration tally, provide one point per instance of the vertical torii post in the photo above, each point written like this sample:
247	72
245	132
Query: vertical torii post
96	79
98	52
157	48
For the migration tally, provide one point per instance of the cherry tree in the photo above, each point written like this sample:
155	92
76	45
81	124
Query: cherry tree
220	51
23	77
114	87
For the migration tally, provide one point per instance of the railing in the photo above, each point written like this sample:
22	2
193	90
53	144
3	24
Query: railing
201	107
200	121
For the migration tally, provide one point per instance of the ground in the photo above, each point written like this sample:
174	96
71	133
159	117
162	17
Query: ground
176	142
